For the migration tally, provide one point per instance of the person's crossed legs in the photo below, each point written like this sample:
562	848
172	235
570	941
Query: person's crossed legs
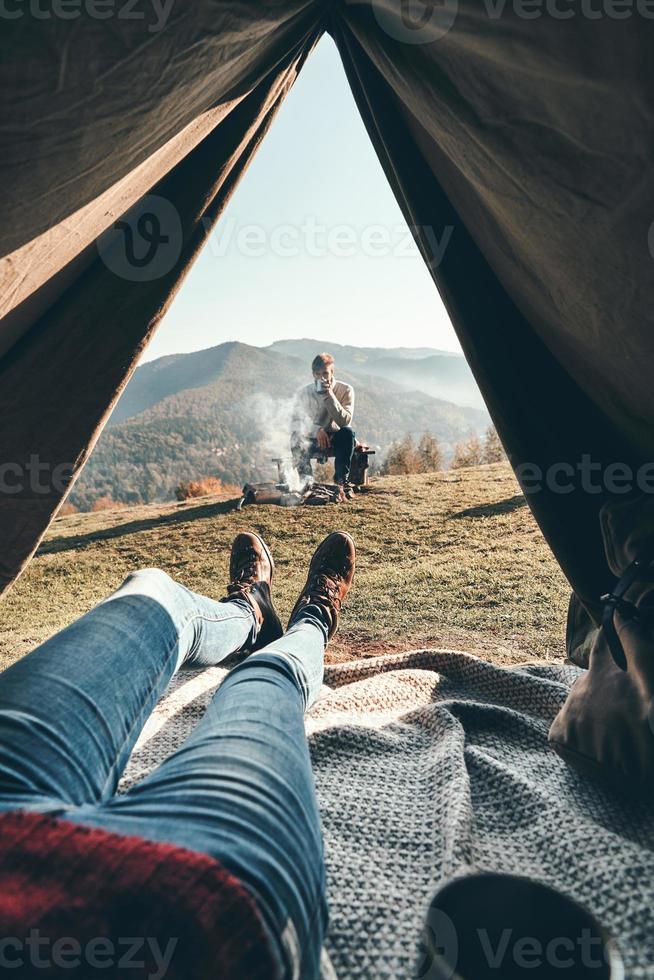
240	788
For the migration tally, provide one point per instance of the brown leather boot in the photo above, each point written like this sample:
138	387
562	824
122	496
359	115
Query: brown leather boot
330	578
251	570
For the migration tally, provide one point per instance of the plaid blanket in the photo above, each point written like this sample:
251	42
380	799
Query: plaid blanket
432	764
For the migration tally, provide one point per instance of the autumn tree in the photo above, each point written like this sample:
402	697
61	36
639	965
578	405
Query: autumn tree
493	448
405	457
401	458
430	456
204	487
107	503
470	452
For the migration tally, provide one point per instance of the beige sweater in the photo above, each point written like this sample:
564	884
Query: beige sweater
330	410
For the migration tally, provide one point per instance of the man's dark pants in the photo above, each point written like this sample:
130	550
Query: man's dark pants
343	442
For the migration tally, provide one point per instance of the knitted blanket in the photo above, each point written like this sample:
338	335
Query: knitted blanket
432	764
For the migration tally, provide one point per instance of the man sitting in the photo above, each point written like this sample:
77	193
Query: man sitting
321	421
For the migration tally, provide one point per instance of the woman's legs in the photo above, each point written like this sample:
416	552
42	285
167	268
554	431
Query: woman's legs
241	789
72	710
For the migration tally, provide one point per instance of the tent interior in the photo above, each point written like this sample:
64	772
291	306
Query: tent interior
530	137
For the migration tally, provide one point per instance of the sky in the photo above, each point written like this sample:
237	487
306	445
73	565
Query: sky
313	243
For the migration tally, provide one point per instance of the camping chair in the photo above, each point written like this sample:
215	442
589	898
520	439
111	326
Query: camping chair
358	467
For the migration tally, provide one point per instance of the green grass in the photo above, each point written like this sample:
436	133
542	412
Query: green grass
449	559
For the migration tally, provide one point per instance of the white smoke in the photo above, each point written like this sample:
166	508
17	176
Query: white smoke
273	420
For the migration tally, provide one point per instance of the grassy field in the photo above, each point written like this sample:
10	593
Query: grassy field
447	559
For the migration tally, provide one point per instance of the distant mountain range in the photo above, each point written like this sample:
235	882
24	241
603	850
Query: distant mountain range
226	411
442	374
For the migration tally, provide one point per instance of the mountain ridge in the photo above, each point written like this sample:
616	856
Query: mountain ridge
226	411
443	374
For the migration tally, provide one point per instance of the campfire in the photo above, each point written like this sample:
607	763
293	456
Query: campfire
290	491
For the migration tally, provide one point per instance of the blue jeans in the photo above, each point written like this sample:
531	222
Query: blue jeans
239	789
343	441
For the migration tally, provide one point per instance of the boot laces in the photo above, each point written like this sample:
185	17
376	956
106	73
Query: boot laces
325	585
245	575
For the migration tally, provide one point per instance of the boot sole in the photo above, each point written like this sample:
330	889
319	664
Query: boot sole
267	553
272	630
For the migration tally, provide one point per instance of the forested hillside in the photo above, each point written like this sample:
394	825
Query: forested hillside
226	411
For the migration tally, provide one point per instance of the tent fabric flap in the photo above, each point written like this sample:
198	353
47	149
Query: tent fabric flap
84	100
525	144
59	383
529	138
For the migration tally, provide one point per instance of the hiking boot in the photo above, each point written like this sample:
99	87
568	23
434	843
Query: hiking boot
329	580
251	570
346	487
